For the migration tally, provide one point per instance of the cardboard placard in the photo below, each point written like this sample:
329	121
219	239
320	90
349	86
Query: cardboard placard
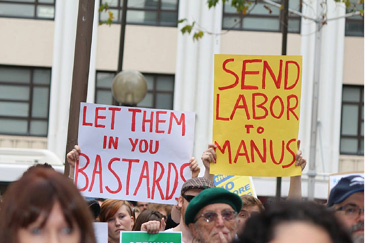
133	153
256	114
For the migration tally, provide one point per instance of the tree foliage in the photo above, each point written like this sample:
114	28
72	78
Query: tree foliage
243	6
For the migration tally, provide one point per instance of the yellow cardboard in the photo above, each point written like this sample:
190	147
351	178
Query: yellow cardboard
256	114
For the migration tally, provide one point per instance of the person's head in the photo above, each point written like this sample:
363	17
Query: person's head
164	209
292	221
94	207
136	212
251	205
212	215
118	215
189	190
44	205
347	199
142	206
145	216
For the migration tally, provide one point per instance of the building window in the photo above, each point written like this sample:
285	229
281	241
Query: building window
352	122
261	17
160	90
24	100
355	25
144	12
32	9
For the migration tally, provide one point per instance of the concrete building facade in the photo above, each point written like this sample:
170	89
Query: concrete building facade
163	53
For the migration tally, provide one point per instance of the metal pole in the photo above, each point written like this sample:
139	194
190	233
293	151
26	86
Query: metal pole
122	36
314	122
81	70
284	41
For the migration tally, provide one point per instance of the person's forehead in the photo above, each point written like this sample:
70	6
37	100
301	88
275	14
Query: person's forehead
250	209
193	192
356	198
217	207
142	203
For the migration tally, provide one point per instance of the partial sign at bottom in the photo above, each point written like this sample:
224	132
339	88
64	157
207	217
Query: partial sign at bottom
143	237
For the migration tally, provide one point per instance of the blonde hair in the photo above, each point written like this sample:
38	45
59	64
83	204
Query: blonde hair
249	201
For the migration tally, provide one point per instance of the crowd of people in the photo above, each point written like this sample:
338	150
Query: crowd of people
45	206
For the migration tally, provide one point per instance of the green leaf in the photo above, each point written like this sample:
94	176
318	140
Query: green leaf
198	35
182	20
186	28
213	3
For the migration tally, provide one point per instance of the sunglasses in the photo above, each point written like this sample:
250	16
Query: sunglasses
212	216
187	197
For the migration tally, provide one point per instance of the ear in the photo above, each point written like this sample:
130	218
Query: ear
180	202
192	227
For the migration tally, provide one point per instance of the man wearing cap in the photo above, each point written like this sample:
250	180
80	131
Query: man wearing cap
347	199
190	189
212	215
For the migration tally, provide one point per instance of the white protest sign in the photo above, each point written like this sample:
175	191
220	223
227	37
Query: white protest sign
133	153
101	232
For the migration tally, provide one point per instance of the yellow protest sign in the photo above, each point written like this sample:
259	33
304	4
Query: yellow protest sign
241	185
256	114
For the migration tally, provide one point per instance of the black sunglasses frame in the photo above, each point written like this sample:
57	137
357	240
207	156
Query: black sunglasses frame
188	197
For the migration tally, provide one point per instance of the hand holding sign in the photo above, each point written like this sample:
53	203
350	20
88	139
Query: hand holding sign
154	226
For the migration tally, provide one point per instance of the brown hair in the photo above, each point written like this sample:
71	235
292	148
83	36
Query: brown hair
159	206
145	216
249	201
35	193
110	207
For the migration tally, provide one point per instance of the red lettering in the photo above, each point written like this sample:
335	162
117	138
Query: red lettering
134	144
227	145
157	146
156	182
255	148
238	106
113	142
105	141
277	81
182	171
245	153
97	116
281	107
84	123
158	120
99	172
134	112
141	149
130	161
272	153
116	176
81	170
287	74
248	127
291	152
291	109
245	72
145	120
144	175
231	72
261	105
217	111
113	109
178	122
168	181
